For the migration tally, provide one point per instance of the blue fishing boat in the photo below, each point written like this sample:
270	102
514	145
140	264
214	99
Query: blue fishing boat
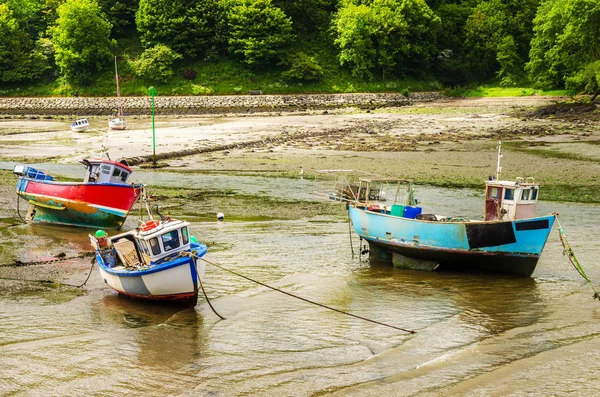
157	261
509	239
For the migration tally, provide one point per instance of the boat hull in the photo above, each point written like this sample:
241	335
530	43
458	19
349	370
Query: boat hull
100	205
174	281
512	247
117	124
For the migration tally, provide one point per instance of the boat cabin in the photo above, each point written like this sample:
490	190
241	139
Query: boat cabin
158	240
106	171
153	242
510	200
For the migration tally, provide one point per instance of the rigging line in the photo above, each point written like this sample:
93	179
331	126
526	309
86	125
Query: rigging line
310	301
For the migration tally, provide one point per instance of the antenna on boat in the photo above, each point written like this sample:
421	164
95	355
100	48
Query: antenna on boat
498	167
104	150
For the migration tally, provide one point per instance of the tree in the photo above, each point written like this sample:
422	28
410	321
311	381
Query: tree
565	41
81	40
393	35
121	14
498	33
188	27
258	32
20	58
307	15
155	65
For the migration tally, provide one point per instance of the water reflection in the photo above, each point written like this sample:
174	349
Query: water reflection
166	336
491	303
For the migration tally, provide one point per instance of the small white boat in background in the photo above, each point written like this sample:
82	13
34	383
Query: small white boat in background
80	125
118	123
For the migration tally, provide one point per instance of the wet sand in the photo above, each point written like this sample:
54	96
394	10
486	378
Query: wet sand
448	143
476	335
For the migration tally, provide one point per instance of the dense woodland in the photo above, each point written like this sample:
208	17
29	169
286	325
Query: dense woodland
71	44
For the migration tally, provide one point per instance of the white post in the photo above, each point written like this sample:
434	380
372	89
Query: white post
498	167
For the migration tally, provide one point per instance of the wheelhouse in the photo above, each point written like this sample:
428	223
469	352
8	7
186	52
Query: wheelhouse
510	200
163	240
106	171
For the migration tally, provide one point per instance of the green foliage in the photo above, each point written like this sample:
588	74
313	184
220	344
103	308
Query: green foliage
188	27
497	36
565	41
394	35
81	40
258	32
302	67
20	58
586	80
307	15
155	65
121	14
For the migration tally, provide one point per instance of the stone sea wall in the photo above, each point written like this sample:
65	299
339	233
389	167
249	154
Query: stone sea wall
198	105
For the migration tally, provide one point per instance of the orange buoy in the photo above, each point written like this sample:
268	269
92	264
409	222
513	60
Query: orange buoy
144	227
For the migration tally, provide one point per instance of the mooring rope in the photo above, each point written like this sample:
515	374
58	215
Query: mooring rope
52	281
308	300
19	208
350	232
195	259
568	251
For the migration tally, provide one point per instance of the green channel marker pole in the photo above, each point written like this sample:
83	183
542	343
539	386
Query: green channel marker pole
152	92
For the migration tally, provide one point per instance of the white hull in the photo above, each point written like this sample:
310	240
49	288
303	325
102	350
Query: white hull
117	124
80	125
169	282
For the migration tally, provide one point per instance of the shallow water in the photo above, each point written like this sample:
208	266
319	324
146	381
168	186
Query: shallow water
476	334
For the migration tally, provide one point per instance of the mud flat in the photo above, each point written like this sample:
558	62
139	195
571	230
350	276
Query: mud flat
442	142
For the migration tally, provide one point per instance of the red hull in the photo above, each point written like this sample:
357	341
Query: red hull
118	197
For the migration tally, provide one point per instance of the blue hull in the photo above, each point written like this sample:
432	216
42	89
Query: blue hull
496	246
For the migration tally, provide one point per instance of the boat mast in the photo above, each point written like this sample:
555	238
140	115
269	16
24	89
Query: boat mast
118	90
498	167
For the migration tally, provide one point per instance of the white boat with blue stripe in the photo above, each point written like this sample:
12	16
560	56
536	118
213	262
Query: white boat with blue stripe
157	261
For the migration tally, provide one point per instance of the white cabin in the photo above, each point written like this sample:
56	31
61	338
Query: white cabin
510	200
106	171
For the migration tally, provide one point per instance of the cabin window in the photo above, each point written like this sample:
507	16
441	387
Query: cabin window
124	175
170	240
534	193
184	235
494	192
509	194
154	246
105	169
525	194
144	247
116	173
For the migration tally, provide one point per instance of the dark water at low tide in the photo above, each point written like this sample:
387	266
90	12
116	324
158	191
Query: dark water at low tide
476	334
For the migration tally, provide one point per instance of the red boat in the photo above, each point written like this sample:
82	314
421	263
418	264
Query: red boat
102	200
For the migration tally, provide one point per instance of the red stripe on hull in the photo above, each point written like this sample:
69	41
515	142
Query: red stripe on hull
120	197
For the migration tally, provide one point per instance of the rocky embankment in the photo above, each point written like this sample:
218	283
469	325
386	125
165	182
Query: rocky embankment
198	105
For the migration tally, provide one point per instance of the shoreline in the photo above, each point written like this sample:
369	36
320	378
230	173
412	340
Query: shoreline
202	105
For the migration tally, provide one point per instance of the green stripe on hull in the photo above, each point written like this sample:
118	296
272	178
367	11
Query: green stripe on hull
98	219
